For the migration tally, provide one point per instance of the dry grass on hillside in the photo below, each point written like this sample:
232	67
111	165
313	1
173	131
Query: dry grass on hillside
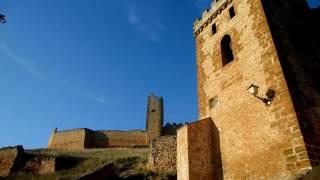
82	162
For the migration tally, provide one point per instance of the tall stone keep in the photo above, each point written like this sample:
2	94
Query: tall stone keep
258	80
154	117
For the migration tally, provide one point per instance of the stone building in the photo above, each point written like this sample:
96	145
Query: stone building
84	138
258	92
154	121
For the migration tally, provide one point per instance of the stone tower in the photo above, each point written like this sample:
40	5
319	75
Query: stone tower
257	65
154	117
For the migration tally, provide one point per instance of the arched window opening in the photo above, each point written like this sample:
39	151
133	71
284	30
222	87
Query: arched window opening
226	50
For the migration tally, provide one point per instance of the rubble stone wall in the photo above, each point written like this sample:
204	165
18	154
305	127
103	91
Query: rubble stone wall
163	154
40	165
10	159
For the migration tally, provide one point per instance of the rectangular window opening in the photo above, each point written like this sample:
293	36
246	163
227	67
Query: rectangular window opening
232	13
214	29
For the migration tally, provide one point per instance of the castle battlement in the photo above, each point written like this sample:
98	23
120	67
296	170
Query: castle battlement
217	6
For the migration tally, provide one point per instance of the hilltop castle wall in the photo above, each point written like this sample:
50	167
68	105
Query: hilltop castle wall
68	140
85	138
125	138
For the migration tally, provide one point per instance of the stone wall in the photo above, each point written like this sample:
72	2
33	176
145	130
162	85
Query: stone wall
10	159
163	154
125	138
40	165
183	166
251	134
199	155
78	139
68	140
96	139
14	159
85	138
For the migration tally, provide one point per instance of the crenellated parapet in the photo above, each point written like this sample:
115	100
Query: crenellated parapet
217	6
171	129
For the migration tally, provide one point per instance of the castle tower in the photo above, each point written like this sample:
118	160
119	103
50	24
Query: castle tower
257	63
154	117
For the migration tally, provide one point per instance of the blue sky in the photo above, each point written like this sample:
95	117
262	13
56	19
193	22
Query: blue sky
92	63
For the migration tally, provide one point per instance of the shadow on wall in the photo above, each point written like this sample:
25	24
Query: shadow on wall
66	162
217	159
96	139
297	40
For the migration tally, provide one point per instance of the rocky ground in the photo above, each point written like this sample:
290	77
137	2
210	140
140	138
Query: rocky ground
112	163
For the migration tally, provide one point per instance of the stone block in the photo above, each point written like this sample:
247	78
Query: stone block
198	148
303	164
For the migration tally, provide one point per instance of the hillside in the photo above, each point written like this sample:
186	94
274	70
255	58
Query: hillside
121	163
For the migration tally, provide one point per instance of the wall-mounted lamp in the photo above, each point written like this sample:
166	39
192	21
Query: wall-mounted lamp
253	89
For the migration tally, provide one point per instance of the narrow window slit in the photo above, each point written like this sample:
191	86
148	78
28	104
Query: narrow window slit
232	13
214	29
